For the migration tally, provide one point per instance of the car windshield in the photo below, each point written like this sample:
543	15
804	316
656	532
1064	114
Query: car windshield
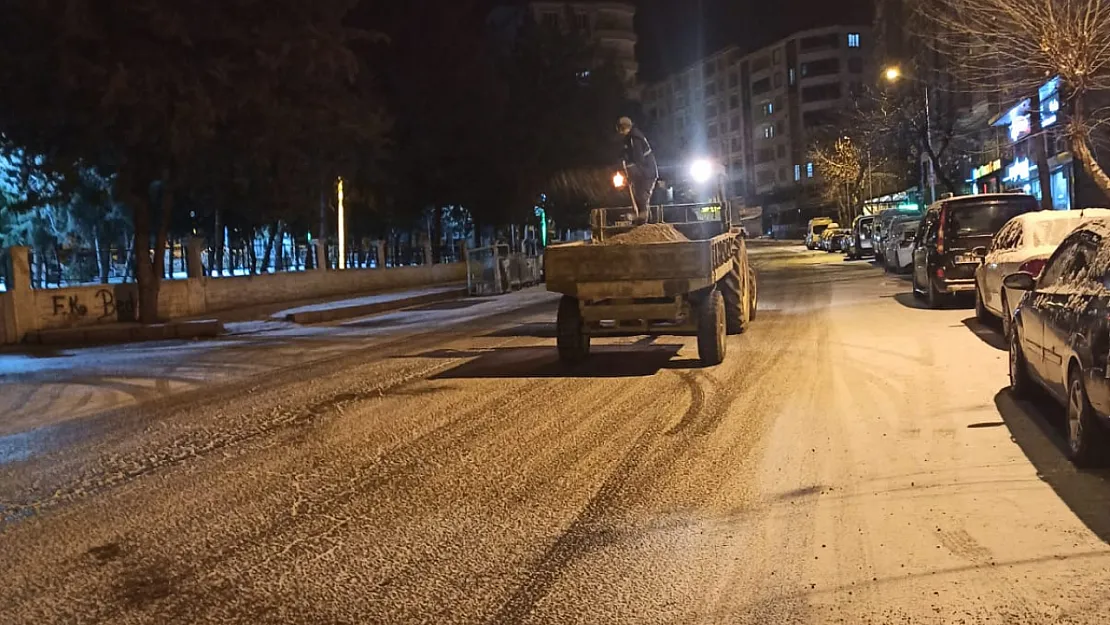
865	228
969	218
819	229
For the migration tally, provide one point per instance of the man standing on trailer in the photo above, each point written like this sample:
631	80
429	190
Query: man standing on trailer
642	170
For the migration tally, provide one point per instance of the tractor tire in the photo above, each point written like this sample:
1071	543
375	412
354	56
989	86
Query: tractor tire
732	291
753	292
571	338
711	329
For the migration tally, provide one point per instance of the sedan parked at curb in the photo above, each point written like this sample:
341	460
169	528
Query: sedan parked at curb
1024	244
1061	337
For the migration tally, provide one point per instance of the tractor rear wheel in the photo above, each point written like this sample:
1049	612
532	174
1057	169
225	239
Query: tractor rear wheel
570	332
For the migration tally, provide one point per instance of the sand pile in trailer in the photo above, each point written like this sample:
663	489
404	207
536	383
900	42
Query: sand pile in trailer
649	233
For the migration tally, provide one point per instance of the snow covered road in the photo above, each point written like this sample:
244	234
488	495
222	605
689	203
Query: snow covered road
856	459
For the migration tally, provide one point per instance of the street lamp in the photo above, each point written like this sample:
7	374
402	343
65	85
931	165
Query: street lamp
893	74
701	171
342	225
618	180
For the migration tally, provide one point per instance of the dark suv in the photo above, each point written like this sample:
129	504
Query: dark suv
945	253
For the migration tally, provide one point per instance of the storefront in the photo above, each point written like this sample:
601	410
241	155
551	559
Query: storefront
1020	173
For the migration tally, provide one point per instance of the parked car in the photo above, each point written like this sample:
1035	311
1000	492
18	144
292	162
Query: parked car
944	262
814	230
1061	337
860	242
840	240
883	224
1023	244
899	244
826	236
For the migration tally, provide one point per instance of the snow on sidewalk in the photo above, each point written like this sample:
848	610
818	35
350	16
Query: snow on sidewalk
41	387
381	298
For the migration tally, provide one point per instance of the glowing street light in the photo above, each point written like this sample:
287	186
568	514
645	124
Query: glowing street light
618	180
892	73
701	171
342	226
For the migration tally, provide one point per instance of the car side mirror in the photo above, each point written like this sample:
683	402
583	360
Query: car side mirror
1020	282
980	251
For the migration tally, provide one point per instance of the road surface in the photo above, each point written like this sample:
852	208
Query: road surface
856	459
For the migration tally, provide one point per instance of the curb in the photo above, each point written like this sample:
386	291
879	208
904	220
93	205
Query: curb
361	310
127	333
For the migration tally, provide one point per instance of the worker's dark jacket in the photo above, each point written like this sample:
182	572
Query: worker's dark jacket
637	152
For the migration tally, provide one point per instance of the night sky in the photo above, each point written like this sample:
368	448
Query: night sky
675	33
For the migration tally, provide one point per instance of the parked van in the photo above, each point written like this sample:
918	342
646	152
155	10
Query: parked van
944	260
815	229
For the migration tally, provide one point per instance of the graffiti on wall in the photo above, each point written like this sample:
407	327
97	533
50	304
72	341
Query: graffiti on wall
104	306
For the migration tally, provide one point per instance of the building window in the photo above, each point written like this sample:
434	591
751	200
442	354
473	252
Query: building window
714	131
582	21
761	86
680	121
710	111
737	144
853	40
764	155
733	102
779	127
855	89
734	123
793	77
768	109
769	132
680	100
776	57
780	151
820	93
761	64
819	42
778	80
733	80
782	174
855	65
797	173
778	103
550	20
824	67
710	89
809	170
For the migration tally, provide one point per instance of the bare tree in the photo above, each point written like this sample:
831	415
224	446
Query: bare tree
1014	46
860	155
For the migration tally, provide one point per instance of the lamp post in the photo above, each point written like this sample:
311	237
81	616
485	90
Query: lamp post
892	75
342	225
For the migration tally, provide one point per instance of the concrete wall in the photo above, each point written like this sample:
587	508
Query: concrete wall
23	309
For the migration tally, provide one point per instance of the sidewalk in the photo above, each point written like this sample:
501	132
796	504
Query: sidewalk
41	386
237	321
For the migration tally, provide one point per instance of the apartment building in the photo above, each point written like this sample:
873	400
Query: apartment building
609	25
758	112
697	112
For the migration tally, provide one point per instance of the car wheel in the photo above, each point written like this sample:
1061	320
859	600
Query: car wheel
981	312
917	294
1020	383
1086	436
1007	317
